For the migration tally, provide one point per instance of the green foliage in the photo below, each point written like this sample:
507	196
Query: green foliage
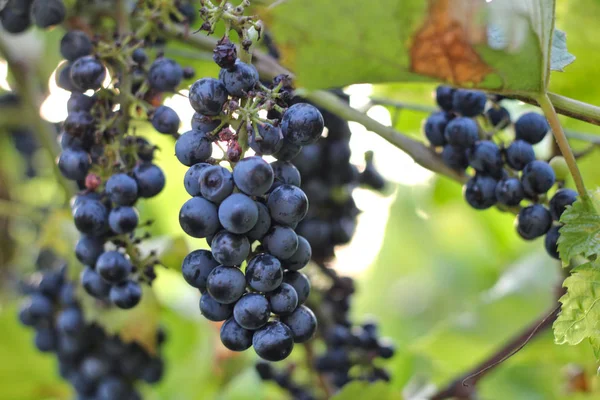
581	233
365	390
580	314
408	41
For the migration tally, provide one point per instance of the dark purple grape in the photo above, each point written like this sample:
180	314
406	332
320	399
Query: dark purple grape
273	342
113	266
165	120
214	311
230	249
198	217
122	189
538	177
252	311
302	322
285	173
283	300
288	205
191	180
264	273
300	283
551	242
91	218
480	192
165	75
240	79
281	241
150	179
123	219
226	284
462	132
87	73
434	128
48	13
469	103
216	184
262	225
302	124
93	283
268	141
75	44
204	123
485	157
444	96
196	267
234	337
287	151
510	192
207	96
533	221
531	127
455	157
301	256
88	249
79	124
559	202
498	117
126	294
253	176
518	154
238	213
74	164
193	147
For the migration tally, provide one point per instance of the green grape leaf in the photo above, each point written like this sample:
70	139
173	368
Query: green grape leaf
502	46
579	318
560	56
365	390
580	234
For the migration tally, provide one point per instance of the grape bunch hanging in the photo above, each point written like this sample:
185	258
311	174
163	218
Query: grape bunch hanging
97	364
506	174
262	306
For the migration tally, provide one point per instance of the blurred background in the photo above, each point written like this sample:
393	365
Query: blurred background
447	283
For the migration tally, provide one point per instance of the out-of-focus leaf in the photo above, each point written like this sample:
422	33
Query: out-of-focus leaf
580	234
366	390
560	57
579	318
499	45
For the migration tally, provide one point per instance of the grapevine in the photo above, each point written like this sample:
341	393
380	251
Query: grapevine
258	196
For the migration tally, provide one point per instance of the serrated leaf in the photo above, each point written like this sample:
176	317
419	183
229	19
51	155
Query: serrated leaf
498	45
366	390
579	318
560	56
580	234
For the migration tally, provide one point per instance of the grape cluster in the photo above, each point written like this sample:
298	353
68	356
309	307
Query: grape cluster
98	365
328	179
255	202
17	15
115	169
504	175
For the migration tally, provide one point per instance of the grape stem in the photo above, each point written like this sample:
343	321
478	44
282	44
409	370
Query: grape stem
563	144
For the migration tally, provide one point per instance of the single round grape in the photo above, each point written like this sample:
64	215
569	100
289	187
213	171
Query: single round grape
87	73
480	192
80	102
14	21
283	300
287	151
499	117
455	157
123	219
198	217
302	124
75	44
48	13
240	79
538	177
79	124
40	307
253	176
113	266
191	180
193	147
551	242
288	205
234	337
462	132
273	342
285	173
238	213
70	321
165	120
150	179
126	294
262	225
45	339
88	249
264	273
434	128
559	202
252	311
153	371
74	164
518	154
230	249
214	311
302	322
139	56
468	103
485	157
165	75
203	123
268	141
63	76
281	241
300	283
531	127
196	267
93	283
444	96
122	189
510	192
91	218
207	96
216	183
533	221
301	256
226	284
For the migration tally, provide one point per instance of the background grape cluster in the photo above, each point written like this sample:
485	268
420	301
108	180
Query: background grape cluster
18	15
476	132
